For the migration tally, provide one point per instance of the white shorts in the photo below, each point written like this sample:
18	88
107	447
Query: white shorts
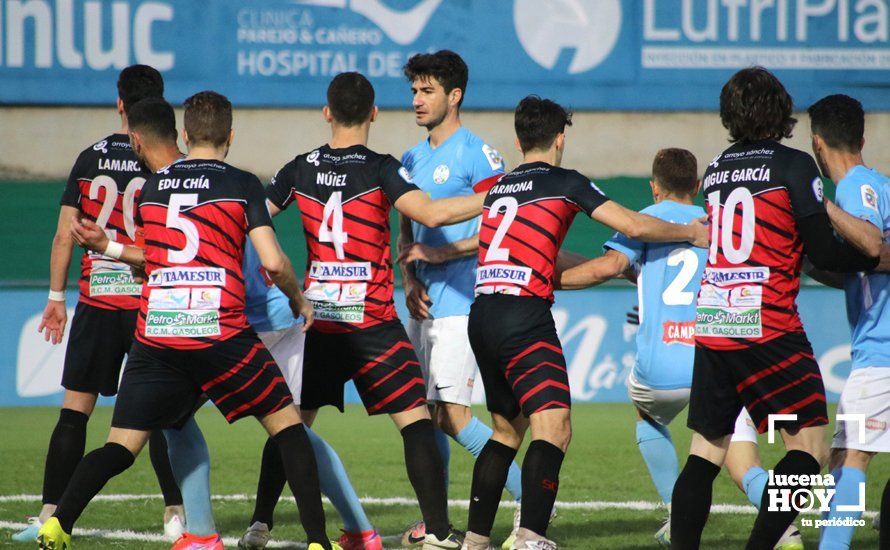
866	393
446	358
664	405
286	347
660	405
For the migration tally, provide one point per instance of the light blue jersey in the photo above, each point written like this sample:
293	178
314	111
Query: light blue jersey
266	307
669	276
865	193
462	165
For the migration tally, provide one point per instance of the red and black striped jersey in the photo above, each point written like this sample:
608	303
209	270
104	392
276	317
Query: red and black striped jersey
104	185
524	221
194	216
345	196
755	193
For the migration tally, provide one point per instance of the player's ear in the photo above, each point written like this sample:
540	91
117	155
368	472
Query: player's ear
326	113
561	141
120	106
697	188
231	137
518	145
455	96
185	138
374	112
862	143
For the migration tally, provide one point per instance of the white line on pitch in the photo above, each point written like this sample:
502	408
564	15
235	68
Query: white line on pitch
636	505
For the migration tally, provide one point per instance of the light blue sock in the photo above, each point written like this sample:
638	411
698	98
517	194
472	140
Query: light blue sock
657	448
473	438
847	482
190	462
754	481
444	447
336	486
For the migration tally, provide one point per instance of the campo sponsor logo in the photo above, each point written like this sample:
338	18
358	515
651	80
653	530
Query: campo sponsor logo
679	333
185	323
343	271
805	493
114	283
503	274
169	276
340	313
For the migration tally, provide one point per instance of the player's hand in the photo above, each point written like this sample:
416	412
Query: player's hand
138	273
700	232
301	306
89	235
421	252
633	316
54	318
417	300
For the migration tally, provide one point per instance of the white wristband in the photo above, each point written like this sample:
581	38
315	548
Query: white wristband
114	250
57	295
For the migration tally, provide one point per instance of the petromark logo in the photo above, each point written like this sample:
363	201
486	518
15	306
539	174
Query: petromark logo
806	493
589	27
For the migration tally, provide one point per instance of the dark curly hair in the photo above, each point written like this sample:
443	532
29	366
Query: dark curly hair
538	121
447	67
754	105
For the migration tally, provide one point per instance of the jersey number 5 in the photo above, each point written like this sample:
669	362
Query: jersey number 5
188	228
722	225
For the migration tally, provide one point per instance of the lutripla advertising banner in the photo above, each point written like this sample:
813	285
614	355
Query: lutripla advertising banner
591	54
598	343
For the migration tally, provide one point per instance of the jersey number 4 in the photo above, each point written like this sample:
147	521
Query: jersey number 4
722	225
331	229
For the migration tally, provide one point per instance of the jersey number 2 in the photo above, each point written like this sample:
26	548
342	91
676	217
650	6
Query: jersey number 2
676	294
511	206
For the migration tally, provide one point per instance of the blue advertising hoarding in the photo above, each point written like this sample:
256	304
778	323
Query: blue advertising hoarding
598	343
590	54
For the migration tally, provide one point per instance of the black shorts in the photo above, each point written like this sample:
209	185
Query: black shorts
98	341
161	387
519	355
777	377
380	360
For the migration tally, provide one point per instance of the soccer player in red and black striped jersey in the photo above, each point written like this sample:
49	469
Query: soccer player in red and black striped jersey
345	192
192	335
766	210
524	221
104	185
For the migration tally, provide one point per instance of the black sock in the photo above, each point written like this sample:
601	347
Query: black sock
160	461
426	473
540	482
66	446
691	502
270	485
299	464
885	518
489	478
769	526
91	475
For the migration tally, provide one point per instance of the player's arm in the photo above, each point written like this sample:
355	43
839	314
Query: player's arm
827	278
593	272
416	298
278	266
55	315
439	254
417	205
90	236
862	234
642	227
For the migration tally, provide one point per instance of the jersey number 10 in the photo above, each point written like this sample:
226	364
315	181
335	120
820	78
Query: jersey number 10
722	225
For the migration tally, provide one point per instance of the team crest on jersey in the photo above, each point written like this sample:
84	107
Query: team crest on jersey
441	173
869	197
405	174
495	160
101	146
312	158
818	190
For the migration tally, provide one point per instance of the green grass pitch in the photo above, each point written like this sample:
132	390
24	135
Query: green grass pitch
603	464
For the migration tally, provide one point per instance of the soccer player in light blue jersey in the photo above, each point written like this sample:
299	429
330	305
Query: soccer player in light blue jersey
451	161
838	127
668	277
